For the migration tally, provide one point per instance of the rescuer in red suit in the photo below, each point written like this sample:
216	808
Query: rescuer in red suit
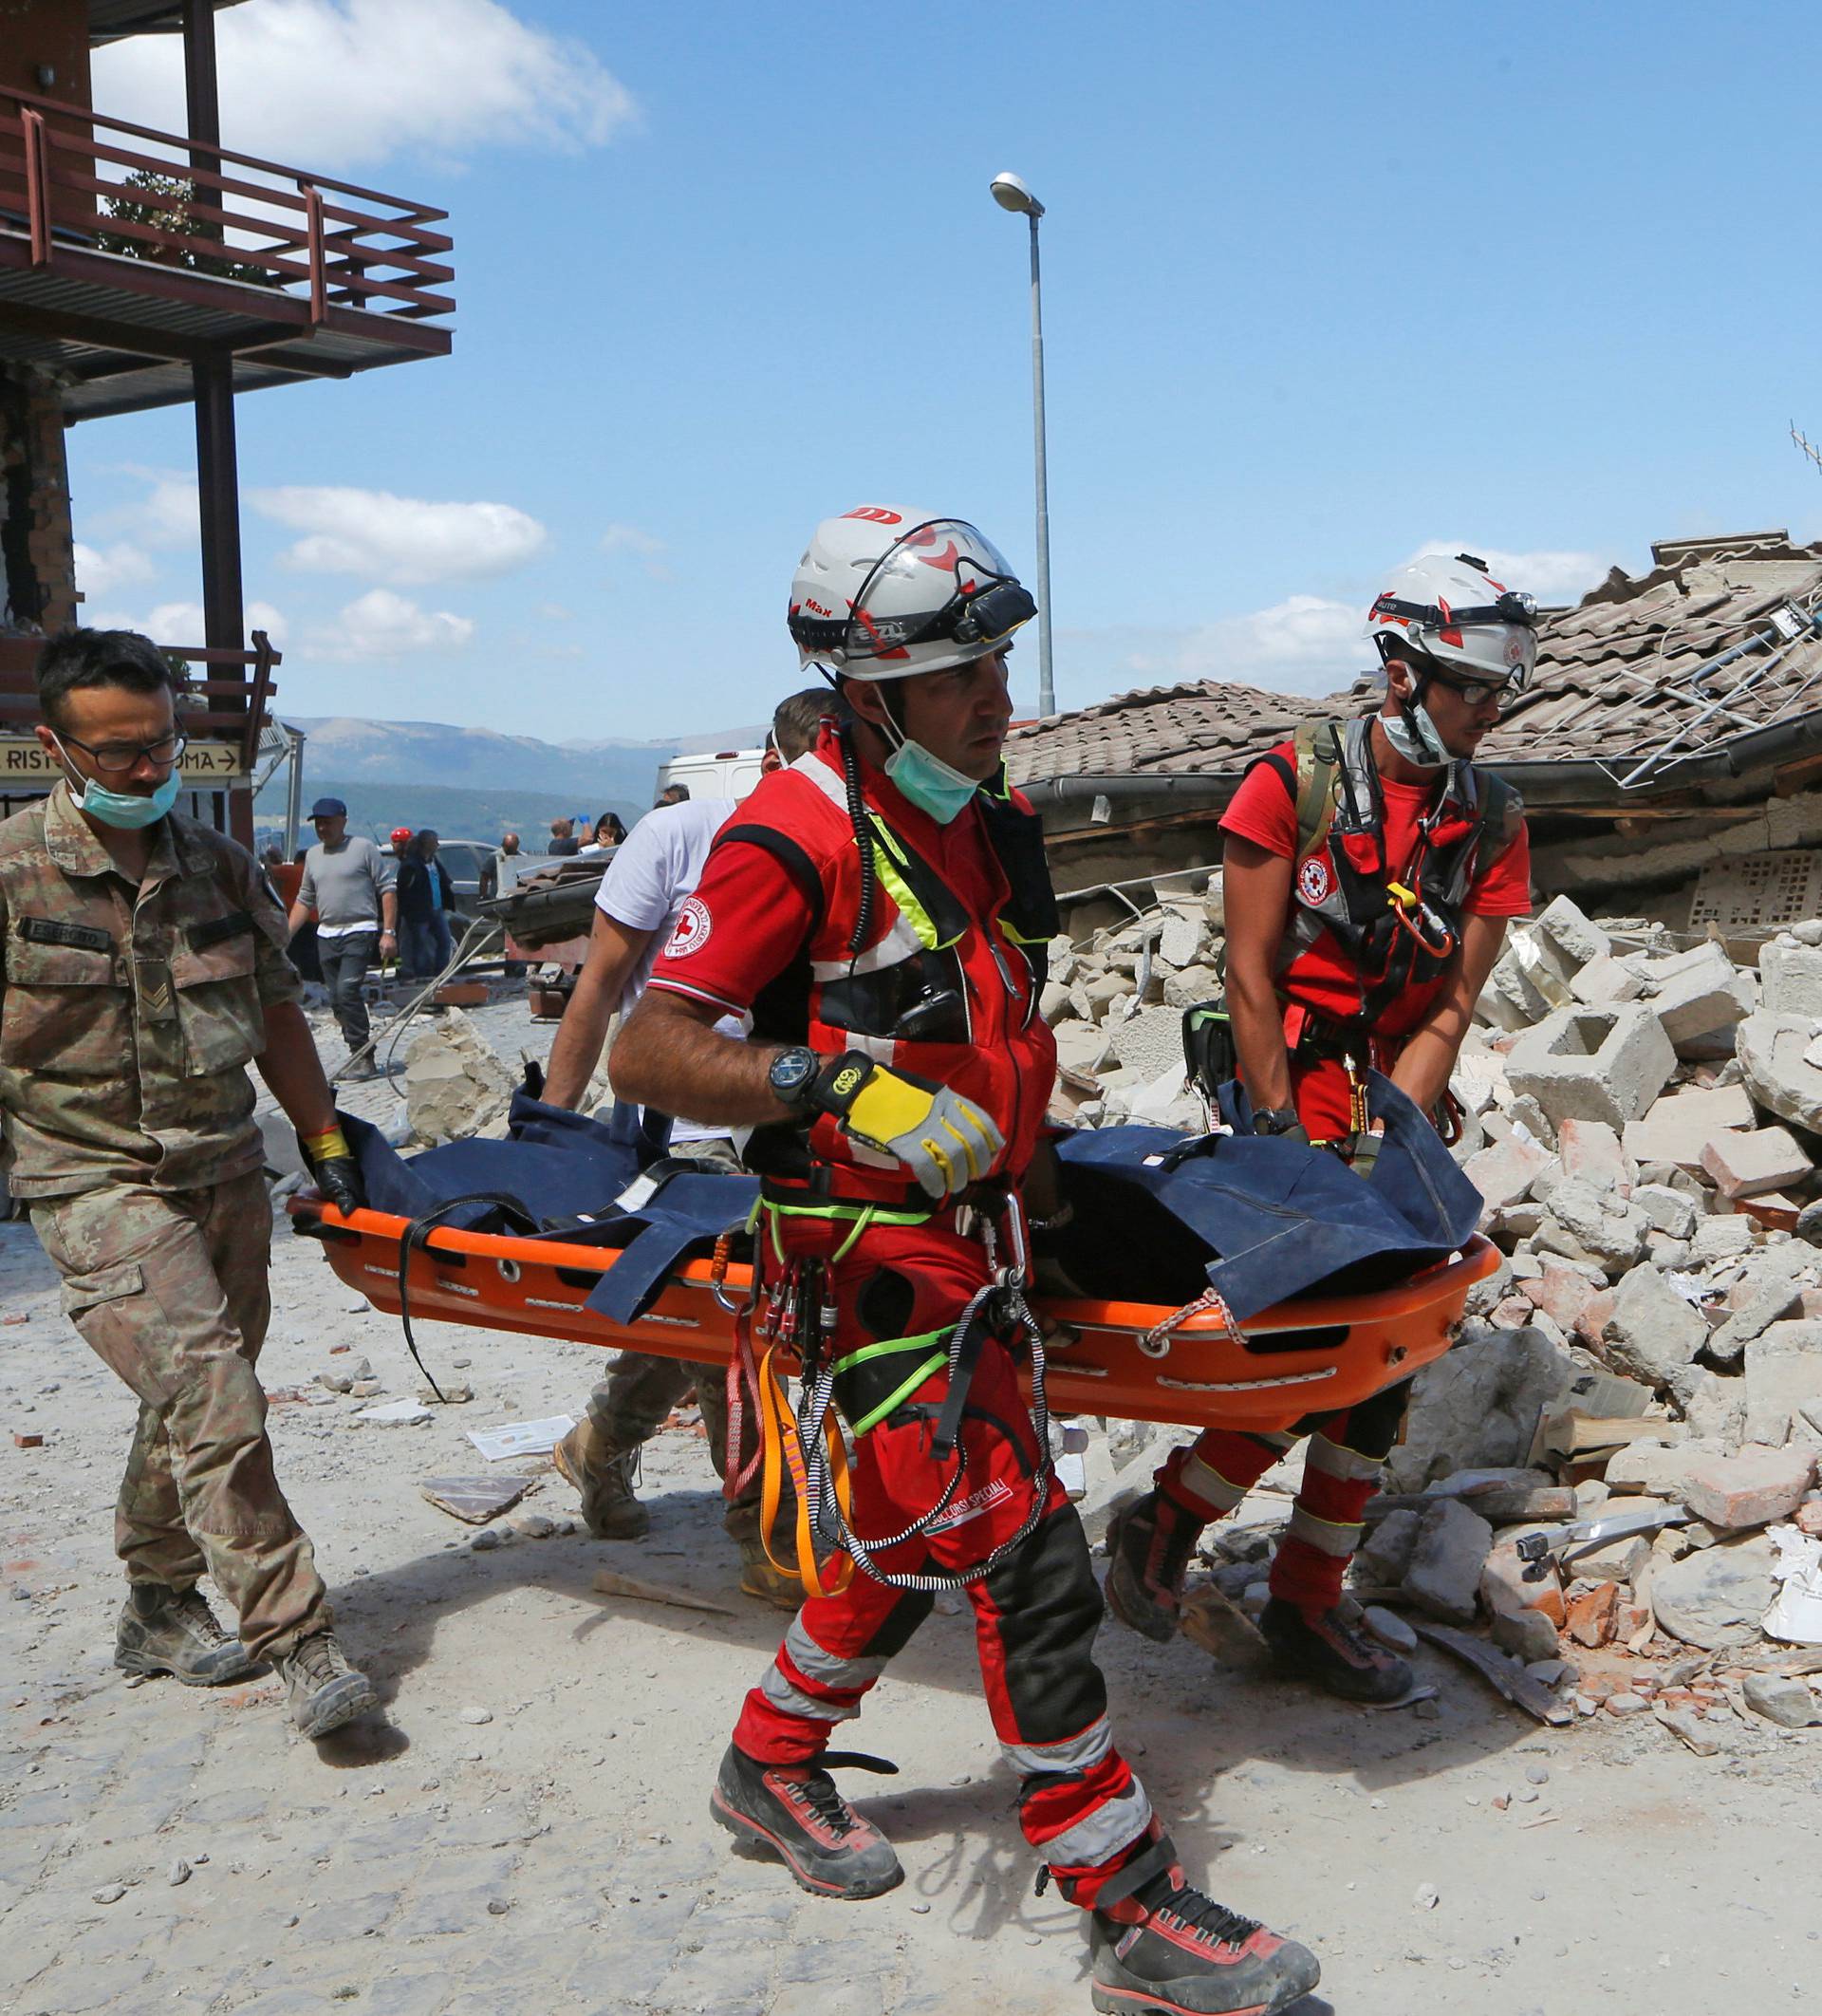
882	909
1369	875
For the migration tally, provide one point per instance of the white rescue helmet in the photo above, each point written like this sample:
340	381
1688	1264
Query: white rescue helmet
883	592
1454	613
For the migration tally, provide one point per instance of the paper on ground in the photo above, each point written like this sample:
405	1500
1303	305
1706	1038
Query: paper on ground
521	1437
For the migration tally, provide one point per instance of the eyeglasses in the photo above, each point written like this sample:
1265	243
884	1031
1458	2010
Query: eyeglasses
115	759
1476	692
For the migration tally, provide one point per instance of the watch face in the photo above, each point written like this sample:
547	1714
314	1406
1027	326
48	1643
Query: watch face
792	1071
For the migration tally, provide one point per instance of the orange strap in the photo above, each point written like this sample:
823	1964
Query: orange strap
782	1451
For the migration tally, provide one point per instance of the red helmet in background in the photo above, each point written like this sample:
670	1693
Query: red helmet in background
400	835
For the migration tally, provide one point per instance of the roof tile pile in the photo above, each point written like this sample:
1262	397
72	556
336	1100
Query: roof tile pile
1615	678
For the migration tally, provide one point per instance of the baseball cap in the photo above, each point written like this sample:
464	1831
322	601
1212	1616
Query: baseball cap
329	809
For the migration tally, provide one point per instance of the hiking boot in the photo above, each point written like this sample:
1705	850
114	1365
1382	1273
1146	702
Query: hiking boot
604	1475
323	1691
1334	1651
794	1812
1149	1545
761	1577
1164	1946
173	1631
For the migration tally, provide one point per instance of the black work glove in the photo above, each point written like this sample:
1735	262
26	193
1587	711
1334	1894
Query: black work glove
333	1169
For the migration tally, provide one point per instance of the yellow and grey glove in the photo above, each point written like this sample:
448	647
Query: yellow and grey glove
333	1169
946	1142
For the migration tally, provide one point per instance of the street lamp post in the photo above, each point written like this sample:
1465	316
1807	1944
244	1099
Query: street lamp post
1010	193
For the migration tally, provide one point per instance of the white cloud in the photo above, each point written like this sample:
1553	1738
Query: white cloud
408	540
630	539
382	624
181	622
341	84
1306	644
552	612
104	570
1552	578
169	513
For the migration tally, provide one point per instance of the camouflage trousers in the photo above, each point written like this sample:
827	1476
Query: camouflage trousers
169	1289
630	1406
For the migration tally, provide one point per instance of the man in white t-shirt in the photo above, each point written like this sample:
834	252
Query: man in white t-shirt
640	905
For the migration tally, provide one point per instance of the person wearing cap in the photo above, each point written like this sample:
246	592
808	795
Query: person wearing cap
348	883
1370	869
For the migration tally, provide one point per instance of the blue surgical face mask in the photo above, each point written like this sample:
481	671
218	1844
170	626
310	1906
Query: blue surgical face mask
930	783
125	810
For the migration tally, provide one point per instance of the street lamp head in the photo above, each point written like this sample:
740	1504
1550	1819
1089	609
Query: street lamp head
1010	193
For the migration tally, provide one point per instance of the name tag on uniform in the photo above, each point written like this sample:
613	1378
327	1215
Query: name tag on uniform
47	931
233	925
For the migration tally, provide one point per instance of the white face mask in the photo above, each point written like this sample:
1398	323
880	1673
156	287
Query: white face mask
1412	732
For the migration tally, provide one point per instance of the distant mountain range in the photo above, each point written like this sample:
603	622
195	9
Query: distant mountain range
472	782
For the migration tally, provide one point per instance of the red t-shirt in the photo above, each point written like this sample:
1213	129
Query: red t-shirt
767	916
1264	810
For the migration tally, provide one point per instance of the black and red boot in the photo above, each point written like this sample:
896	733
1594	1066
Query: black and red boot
1149	1545
793	1811
1328	1649
1159	1945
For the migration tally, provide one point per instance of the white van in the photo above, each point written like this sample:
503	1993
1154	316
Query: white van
727	774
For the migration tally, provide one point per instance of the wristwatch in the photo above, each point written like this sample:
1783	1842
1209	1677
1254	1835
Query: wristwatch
1274	1119
793	1075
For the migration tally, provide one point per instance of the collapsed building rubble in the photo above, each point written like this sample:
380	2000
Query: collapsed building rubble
1639	1117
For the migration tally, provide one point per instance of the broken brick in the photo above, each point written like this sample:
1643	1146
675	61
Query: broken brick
1593	1616
1751	1488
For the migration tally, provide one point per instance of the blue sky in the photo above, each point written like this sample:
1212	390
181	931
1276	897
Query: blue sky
1324	285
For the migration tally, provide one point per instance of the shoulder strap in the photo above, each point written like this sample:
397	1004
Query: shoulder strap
1317	745
1502	812
789	855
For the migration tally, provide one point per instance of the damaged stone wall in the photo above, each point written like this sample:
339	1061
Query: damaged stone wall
36	540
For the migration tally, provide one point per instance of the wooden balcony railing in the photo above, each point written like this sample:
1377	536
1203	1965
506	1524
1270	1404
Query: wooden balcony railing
74	182
225	694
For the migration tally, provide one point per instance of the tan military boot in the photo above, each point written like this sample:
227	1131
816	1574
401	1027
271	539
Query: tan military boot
604	1475
322	1689
760	1577
173	1631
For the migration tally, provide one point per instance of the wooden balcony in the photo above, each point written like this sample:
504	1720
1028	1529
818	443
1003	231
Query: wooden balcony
129	255
225	706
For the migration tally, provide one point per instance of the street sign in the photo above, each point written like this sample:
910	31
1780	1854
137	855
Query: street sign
24	761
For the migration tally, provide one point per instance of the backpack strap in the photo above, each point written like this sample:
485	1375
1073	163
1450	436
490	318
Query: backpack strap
1318	746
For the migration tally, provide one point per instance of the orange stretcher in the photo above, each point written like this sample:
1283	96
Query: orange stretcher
1131	1360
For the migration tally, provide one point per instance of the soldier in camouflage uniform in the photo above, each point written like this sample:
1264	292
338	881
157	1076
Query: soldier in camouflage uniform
145	970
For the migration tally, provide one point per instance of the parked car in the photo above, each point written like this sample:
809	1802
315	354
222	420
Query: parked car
471	871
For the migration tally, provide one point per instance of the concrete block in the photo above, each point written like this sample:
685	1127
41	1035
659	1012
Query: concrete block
1504	1172
1653	1469
1606	981
1591	1153
1716	1596
1605	1228
1677	1129
1573	936
1791	980
1478	1407
1605	1064
1669	1211
1651	1332
1751	1488
1693	993
1750	1165
1784	1377
1771	1050
1452	1547
1150	1041
1527	1635
1768	1303
1562	1292
1720	1238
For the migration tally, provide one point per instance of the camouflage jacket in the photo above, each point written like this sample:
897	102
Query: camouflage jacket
128	1018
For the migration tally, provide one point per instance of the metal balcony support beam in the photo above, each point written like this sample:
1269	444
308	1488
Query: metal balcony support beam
201	94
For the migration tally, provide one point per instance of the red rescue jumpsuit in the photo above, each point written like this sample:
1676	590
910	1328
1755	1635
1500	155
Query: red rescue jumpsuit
767	931
1322	986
